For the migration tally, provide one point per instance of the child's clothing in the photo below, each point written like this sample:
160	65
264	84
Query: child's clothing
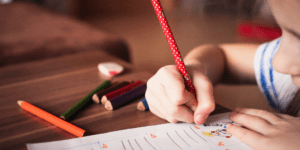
276	87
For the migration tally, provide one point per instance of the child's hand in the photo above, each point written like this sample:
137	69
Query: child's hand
264	130
168	98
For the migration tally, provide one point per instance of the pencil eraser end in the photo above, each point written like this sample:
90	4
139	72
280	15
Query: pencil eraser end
110	68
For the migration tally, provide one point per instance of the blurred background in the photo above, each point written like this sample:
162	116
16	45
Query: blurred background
193	22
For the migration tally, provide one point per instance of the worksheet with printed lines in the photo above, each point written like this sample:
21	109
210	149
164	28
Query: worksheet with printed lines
179	136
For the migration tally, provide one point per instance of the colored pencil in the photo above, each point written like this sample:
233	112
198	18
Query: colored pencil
143	105
84	101
52	119
125	98
120	91
172	44
98	96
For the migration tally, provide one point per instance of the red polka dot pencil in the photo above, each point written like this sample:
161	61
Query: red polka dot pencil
174	49
173	46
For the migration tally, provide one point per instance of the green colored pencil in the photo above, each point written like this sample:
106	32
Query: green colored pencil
81	103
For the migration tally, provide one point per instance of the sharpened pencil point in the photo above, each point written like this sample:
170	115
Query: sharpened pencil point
140	106
96	99
62	117
20	102
108	105
104	100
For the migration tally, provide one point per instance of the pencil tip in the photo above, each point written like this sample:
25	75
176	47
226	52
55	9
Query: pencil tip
20	102
62	117
140	106
96	99
103	100
108	105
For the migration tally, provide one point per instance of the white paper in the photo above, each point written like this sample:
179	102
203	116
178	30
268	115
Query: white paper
179	136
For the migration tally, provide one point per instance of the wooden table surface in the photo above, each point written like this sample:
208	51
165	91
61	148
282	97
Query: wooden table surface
55	85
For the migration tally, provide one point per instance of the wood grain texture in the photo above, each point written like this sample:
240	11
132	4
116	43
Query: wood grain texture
55	85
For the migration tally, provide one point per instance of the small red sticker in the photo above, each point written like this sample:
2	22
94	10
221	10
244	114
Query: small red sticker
196	127
221	144
153	136
104	145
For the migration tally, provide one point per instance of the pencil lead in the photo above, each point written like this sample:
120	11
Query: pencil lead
96	99
20	102
140	106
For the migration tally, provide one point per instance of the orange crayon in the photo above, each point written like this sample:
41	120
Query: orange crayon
52	119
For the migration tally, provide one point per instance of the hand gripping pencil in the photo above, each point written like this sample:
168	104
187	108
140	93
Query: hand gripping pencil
174	49
172	44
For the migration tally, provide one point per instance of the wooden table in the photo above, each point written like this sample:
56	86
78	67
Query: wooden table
55	85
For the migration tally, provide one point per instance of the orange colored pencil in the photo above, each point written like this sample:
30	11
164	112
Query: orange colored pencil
52	119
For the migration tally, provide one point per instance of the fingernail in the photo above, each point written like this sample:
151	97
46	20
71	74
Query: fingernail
228	125
199	119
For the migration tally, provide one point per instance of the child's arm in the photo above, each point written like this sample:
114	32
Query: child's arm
265	130
230	62
207	65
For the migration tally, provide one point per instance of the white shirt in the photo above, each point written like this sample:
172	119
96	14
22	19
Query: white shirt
276	87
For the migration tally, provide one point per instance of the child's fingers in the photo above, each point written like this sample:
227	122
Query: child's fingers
169	111
174	87
254	123
156	108
205	98
285	116
270	117
154	105
246	136
163	115
173	83
191	101
179	112
155	111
